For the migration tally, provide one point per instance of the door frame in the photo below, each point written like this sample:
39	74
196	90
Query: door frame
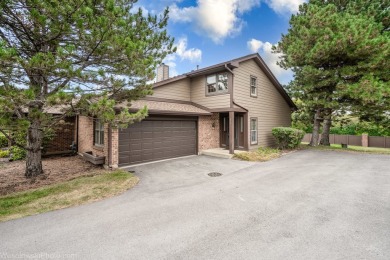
237	131
221	132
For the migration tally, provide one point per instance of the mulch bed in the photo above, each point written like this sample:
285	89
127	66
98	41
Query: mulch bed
56	170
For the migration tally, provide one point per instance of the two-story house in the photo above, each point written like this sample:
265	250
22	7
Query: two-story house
232	105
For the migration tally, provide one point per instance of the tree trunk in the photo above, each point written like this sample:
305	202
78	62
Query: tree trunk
34	153
326	129
316	128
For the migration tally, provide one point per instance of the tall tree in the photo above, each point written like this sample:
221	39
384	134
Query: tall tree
53	52
334	51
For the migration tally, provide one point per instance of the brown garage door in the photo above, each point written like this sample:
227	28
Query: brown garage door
157	139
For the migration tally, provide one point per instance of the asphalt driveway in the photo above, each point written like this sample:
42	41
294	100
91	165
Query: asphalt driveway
306	205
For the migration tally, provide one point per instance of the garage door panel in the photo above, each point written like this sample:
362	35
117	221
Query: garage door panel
147	124
135	158
135	135
148	145
157	139
135	146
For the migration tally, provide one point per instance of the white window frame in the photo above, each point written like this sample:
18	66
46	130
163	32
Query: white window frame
217	84
98	133
253	131
253	86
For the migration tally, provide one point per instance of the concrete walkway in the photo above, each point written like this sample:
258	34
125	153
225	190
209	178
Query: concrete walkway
306	205
220	152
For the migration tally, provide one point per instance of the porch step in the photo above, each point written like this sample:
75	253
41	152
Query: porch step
218	152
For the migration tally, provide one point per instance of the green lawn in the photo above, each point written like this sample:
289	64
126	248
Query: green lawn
70	193
337	147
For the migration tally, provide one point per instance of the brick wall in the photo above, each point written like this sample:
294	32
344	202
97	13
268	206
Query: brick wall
86	141
64	136
208	132
115	148
86	137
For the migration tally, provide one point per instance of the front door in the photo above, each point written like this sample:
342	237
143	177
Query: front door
239	131
224	131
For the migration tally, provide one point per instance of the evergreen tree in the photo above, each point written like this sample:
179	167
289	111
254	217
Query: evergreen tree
339	52
85	56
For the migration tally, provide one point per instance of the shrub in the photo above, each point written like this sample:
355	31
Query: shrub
4	154
17	153
3	141
359	128
287	137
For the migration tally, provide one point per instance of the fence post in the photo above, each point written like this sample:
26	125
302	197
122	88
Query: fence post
365	140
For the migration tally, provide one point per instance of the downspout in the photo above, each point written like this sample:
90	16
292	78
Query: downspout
109	160
77	132
231	93
231	88
232	102
231	115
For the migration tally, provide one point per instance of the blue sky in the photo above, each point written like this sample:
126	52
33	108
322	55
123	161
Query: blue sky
207	32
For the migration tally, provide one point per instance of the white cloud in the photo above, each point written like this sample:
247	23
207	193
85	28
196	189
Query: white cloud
192	54
217	19
265	50
246	5
285	6
136	8
254	45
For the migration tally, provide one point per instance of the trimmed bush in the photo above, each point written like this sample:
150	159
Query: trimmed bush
3	141
17	153
4	154
287	137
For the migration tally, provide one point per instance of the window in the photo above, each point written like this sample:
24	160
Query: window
99	133
217	83
253	86
253	130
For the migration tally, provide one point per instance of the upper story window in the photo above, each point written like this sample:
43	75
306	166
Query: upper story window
217	83
98	128
253	86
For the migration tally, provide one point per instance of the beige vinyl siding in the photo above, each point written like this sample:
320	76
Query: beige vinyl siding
178	90
269	107
198	95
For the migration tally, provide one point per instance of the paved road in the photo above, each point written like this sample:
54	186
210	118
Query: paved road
306	205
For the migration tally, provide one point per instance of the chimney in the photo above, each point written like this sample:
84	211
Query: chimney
197	67
162	72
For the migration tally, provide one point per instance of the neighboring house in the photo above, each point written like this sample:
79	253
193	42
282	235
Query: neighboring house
233	105
64	132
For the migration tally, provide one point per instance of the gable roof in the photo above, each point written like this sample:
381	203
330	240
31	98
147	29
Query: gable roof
54	110
232	64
